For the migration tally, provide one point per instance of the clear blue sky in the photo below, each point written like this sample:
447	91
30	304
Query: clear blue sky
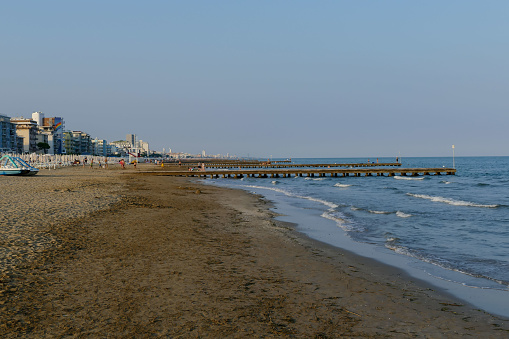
266	77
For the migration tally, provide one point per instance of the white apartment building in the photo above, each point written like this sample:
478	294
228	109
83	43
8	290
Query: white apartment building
26	129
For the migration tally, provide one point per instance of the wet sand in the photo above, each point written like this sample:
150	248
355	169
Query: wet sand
112	253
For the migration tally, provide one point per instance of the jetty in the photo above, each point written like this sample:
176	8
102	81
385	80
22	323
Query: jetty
277	164
305	170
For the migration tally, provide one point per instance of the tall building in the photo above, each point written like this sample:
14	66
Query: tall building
53	128
131	139
27	129
57	125
99	147
144	146
8	136
77	142
37	117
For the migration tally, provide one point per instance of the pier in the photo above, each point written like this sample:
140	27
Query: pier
279	164
305	172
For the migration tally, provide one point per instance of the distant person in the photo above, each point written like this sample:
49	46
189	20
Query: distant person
105	162
134	163
91	163
122	163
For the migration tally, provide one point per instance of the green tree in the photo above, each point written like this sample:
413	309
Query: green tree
43	146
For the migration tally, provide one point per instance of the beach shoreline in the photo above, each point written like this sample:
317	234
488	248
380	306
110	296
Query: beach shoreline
311	223
173	257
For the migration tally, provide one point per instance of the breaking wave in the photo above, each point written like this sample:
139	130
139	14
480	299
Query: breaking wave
406	178
341	185
451	201
403	215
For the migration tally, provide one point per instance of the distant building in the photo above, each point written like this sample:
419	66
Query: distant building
120	147
77	142
37	117
131	139
27	129
8	136
53	129
100	147
111	149
57	125
144	146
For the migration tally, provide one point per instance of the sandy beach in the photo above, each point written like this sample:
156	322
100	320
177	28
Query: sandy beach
113	253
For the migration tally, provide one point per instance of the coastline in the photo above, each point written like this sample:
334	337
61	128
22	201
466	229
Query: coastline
171	256
327	232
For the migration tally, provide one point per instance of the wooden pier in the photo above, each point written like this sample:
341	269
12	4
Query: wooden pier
281	165
305	172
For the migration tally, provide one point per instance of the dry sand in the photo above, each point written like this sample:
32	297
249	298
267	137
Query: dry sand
112	253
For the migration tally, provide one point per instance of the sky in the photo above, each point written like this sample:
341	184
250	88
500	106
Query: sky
281	78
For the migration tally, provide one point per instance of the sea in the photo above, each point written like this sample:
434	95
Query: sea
451	231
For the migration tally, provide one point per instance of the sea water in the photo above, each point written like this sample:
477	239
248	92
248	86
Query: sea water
447	229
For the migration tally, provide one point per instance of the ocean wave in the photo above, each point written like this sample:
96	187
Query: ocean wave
324	202
379	212
314	179
451	201
342	223
341	185
403	215
407	178
329	204
391	243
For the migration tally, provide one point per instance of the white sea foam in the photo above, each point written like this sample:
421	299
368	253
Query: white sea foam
339	221
450	201
341	185
407	178
273	182
314	179
403	215
379	212
329	204
390	244
324	202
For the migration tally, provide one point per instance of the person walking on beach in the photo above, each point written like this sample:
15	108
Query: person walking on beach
91	163
122	163
105	162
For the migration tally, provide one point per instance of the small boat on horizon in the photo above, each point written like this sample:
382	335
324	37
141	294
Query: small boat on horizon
16	166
